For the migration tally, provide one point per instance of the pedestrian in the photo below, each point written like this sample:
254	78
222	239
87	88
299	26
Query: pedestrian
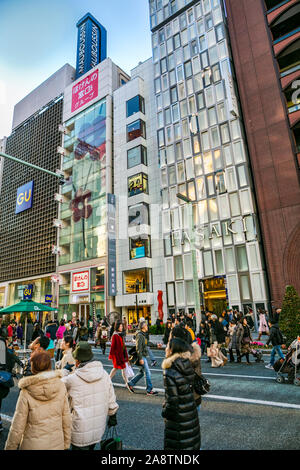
42	420
40	344
204	336
67	346
229	332
157	323
246	340
276	339
118	352
168	330
220	331
112	330
142	352
82	333
101	336
263	325
10	332
75	330
51	328
59	336
236	341
69	328
182	429
217	357
151	355
37	331
20	333
91	396
276	316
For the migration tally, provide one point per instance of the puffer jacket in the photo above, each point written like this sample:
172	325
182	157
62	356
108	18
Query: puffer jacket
236	338
67	358
196	363
92	399
42	420
182	429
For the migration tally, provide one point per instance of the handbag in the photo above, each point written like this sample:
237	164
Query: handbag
111	439
128	371
246	340
201	385
6	379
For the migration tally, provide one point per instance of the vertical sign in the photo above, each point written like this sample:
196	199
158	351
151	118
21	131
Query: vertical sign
84	91
111	231
28	291
24	197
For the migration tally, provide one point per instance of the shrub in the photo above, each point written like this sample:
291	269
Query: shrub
289	320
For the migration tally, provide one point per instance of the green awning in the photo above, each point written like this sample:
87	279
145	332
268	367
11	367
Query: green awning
27	306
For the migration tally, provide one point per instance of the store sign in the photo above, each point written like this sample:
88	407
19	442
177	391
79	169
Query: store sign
81	281
85	91
138	252
91	44
48	299
28	292
111	231
24	197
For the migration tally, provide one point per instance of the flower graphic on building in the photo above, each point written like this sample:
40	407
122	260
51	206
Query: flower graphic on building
79	205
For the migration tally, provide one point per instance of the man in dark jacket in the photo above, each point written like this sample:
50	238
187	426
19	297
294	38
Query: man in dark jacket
142	352
277	340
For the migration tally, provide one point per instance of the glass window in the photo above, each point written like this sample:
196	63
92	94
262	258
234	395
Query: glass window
177	41
198	166
209	96
229	260
210	185
177	127
183	108
171	64
220	32
168	119
182	21
212	116
242	261
213	209
225	133
180	172
174	96
136	156
213	55
135	105
230	179
194	48
221	112
172	175
234	204
208	163
245	287
187	151
219	262
138	280
200	185
220	91
180	75
235	129
192	104
228	155
242	175
139	247
196	65
207	262
166	98
196	143
170	45
215	137
137	184
184	37
178	267
220	182
164	80
161	138
205	141
200	100
181	91
208	22
198	83
188	69
200	27
191	191
238	151
136	129
170	154
202	43
178	151
189	86
202	119
211	38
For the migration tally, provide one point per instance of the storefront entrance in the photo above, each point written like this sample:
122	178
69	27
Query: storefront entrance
215	295
135	315
83	313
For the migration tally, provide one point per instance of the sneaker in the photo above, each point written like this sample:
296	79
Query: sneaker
153	363
130	388
1	427
152	393
269	366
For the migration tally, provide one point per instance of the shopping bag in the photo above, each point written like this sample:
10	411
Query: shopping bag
111	439
129	371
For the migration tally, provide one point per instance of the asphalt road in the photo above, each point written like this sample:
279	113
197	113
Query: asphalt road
246	409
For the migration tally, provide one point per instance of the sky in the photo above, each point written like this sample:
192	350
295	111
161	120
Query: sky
37	37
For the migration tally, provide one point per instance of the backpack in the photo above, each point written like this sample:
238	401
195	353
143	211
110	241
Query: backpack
83	335
133	355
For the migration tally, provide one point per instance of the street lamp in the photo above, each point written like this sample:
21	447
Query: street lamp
194	260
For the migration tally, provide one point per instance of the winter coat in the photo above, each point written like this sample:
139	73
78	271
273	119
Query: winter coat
182	429
82	334
66	359
19	332
220	332
263	325
60	332
42	420
166	335
51	328
196	364
92	399
29	331
236	338
118	353
141	345
275	336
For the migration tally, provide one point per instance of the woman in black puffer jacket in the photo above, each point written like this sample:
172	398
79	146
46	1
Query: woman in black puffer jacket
182	430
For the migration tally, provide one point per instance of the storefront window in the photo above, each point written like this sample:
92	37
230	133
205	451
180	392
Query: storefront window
135	105
136	129
138	280
137	184
136	156
139	247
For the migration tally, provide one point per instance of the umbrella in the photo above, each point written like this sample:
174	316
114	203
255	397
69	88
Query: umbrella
27	306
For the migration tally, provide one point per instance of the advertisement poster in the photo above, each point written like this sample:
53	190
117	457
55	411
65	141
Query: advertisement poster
85	91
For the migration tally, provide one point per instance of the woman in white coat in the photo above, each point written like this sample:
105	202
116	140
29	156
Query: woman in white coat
91	397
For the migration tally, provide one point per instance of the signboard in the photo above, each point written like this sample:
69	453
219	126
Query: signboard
111	230
91	44
85	91
48	299
28	292
24	197
81	281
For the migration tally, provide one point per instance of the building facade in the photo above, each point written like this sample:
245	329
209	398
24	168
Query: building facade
267	63
203	156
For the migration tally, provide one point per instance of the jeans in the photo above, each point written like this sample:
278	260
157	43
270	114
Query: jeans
151	354
273	353
144	369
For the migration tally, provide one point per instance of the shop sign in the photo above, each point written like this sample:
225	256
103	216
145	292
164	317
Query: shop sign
28	292
80	281
111	231
24	197
85	91
48	299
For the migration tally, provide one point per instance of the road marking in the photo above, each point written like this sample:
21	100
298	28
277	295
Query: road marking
222	398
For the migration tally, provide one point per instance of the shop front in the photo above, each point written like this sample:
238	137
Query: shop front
215	295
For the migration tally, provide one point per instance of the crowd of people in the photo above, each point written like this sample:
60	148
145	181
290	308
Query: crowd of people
67	399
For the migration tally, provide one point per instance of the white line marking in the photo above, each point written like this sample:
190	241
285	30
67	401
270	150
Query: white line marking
222	398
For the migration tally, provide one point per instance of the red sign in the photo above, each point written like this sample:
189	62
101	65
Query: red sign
81	281
85	91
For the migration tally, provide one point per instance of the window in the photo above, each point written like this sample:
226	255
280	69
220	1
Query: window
137	280
177	41
287	22
178	267
136	156
241	256
138	215
137	184
135	105
139	247
164	80
188	69
174	96
136	129
220	182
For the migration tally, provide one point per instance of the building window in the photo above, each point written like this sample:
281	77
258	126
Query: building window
135	105
139	247
136	129
138	215
136	156
137	280
137	184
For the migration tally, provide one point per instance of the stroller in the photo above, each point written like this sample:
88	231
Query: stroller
290	365
258	355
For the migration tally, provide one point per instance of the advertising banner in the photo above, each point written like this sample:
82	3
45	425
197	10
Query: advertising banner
28	292
85	91
24	197
81	281
111	229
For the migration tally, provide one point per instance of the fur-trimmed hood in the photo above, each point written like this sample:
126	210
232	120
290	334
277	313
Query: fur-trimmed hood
167	363
43	386
196	354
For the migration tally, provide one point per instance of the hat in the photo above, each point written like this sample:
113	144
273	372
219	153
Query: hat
214	317
83	352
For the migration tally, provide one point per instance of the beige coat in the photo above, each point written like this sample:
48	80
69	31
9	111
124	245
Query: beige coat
92	399
66	359
42	419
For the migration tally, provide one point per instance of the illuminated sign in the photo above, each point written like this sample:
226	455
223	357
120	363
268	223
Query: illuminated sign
27	292
91	44
24	197
81	281
48	298
84	91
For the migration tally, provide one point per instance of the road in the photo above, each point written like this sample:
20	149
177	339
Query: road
245	409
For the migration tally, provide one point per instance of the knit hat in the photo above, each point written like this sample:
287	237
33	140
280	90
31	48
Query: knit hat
83	352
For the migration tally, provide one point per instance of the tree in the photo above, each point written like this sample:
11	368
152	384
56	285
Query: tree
289	320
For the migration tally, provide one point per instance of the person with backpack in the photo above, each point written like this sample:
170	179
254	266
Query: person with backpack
101	336
276	339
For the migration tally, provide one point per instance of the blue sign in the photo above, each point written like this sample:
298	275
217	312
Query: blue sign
28	291
48	298
91	44
24	197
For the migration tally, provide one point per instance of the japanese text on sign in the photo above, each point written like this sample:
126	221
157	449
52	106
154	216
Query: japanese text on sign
84	91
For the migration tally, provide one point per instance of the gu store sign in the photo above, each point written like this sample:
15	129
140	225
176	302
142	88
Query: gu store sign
81	281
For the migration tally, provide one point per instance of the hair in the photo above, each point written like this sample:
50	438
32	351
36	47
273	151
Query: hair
189	323
69	340
178	346
182	333
43	341
62	322
117	325
82	323
40	362
142	324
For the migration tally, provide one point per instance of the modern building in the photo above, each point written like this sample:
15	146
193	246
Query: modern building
203	156
265	40
27	204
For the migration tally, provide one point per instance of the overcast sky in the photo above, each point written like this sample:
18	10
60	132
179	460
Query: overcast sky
37	37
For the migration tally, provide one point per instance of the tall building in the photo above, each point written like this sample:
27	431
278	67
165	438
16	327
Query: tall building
265	39
27	205
203	156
